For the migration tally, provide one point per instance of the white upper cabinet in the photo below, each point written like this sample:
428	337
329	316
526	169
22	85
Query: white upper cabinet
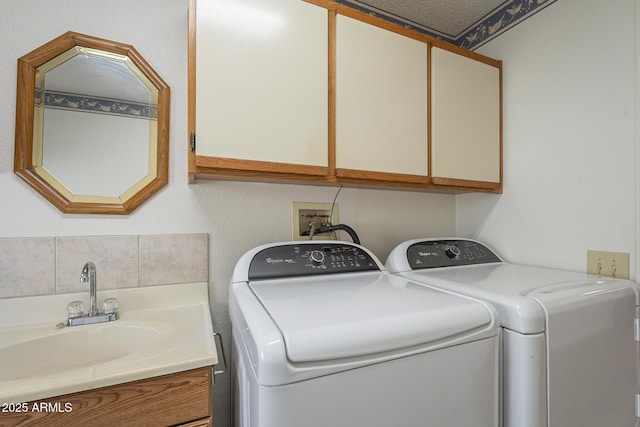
381	102
316	92
262	82
465	119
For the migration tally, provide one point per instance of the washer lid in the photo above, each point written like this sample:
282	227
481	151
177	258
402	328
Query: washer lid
356	314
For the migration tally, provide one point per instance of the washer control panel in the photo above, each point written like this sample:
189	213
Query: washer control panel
448	253
309	259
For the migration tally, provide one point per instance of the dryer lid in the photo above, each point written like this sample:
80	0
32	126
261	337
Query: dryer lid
357	314
518	292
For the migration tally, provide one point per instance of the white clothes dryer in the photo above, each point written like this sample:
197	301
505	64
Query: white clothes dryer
570	340
323	336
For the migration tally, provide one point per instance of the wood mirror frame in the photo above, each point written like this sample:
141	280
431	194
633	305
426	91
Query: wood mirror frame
30	169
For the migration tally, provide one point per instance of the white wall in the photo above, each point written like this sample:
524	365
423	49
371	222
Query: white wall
237	216
569	138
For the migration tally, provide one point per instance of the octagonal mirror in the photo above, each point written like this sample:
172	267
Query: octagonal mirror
92	122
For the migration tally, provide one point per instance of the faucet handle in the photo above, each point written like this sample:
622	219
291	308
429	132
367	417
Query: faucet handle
75	309
110	305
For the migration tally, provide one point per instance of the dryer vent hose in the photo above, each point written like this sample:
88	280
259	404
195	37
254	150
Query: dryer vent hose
337	227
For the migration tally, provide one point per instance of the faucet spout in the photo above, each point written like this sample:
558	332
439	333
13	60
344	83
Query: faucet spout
76	317
89	275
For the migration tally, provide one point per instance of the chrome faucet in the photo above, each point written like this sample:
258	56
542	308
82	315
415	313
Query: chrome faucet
77	317
89	275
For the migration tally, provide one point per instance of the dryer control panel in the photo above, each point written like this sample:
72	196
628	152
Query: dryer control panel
309	259
448	253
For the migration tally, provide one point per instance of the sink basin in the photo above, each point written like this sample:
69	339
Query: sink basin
73	348
162	330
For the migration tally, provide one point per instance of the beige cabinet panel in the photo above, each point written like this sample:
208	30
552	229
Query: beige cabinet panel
262	81
465	112
381	100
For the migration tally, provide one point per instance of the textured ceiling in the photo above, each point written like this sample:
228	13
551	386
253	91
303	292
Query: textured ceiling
466	23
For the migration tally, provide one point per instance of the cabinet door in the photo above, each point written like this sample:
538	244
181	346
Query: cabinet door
261	85
465	120
381	103
168	400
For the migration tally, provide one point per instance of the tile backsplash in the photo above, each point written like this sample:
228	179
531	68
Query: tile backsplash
50	265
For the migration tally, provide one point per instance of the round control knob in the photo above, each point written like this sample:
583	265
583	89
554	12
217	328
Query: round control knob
316	257
452	252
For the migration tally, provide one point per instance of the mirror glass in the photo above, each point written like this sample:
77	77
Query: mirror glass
99	126
94	106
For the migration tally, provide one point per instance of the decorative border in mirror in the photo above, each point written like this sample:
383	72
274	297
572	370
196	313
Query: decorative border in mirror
69	101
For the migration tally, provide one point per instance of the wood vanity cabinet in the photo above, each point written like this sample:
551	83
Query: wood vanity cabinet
316	92
181	399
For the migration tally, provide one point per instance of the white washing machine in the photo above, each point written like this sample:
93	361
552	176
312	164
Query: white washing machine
324	337
570	340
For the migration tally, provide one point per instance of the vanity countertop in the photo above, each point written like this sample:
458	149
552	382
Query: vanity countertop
161	330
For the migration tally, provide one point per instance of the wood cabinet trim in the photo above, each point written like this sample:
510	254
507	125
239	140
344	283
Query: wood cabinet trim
332	48
327	4
429	119
465	183
191	83
221	163
381	176
370	182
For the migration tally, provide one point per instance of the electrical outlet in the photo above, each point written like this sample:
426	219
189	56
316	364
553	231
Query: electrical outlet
303	214
611	264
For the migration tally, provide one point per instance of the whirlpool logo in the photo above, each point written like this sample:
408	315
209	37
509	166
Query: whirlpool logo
426	254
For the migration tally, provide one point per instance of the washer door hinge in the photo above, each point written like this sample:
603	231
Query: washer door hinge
192	141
